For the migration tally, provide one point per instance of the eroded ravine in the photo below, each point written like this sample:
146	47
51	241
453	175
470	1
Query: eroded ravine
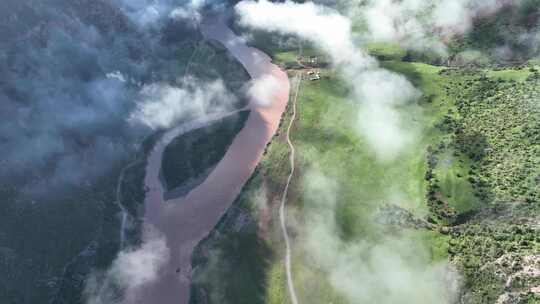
185	221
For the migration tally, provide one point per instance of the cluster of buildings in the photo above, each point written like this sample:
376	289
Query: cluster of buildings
310	64
314	75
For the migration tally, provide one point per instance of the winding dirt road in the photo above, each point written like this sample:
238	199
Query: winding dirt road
282	215
185	221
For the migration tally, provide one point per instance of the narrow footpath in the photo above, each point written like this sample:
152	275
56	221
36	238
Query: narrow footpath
282	215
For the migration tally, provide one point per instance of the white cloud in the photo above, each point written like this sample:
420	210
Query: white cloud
131	270
140	266
453	17
163	106
189	11
419	24
385	270
378	92
147	13
116	75
263	90
186	13
326	27
379	120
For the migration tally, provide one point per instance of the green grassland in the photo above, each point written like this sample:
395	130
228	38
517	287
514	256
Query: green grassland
326	138
324	135
469	186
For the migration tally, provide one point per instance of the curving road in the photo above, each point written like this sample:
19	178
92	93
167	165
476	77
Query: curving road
282	217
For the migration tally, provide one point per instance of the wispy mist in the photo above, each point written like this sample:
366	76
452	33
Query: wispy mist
58	103
151	13
130	272
384	269
377	91
390	269
163	106
425	26
262	90
77	74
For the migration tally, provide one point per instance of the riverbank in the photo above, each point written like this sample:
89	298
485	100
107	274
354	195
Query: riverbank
326	141
187	220
246	246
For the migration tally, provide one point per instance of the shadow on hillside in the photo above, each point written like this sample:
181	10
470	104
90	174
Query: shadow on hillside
232	264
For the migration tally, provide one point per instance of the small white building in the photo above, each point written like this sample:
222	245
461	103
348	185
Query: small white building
316	76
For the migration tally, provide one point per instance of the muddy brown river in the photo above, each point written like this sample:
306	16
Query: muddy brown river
185	221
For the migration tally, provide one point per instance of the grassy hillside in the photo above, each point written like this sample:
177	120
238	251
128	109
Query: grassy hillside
468	189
